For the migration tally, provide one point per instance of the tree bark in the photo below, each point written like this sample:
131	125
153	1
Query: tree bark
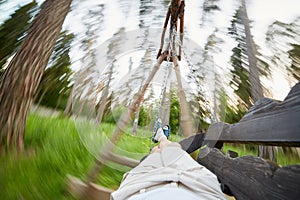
136	118
43	94
267	152
256	88
185	119
21	78
68	108
104	97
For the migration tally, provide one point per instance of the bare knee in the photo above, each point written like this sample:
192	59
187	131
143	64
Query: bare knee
156	150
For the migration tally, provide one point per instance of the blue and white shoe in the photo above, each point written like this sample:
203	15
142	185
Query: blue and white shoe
164	131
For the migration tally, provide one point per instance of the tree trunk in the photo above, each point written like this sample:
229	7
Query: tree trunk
136	118
185	119
256	88
199	128
104	97
68	108
76	92
137	114
43	94
21	78
80	106
113	50
267	152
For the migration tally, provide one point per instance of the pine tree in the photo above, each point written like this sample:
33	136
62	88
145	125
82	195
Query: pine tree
13	30
20	80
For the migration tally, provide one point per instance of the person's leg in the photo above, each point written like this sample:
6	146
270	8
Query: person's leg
160	137
155	149
164	142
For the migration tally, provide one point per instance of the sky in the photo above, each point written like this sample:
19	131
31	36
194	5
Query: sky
262	13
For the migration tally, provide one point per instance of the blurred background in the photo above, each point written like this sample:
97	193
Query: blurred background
234	53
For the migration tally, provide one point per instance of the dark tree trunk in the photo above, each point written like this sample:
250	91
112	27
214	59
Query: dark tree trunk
267	152
21	78
256	88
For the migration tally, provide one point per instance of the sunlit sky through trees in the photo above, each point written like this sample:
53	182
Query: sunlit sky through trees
261	13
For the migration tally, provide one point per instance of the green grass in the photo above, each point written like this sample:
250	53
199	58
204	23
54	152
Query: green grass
240	149
283	159
55	147
52	150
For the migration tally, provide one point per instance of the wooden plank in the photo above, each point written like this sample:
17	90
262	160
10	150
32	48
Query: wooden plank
251	177
249	133
268	122
192	143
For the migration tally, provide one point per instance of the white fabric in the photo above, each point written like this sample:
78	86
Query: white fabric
162	169
166	193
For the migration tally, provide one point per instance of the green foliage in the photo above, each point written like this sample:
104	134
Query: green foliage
54	87
200	113
112	116
240	80
174	113
13	30
294	54
144	116
240	73
234	115
281	36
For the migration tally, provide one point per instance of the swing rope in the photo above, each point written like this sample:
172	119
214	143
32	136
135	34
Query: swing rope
171	52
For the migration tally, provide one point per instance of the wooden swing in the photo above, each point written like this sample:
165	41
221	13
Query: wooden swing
267	123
